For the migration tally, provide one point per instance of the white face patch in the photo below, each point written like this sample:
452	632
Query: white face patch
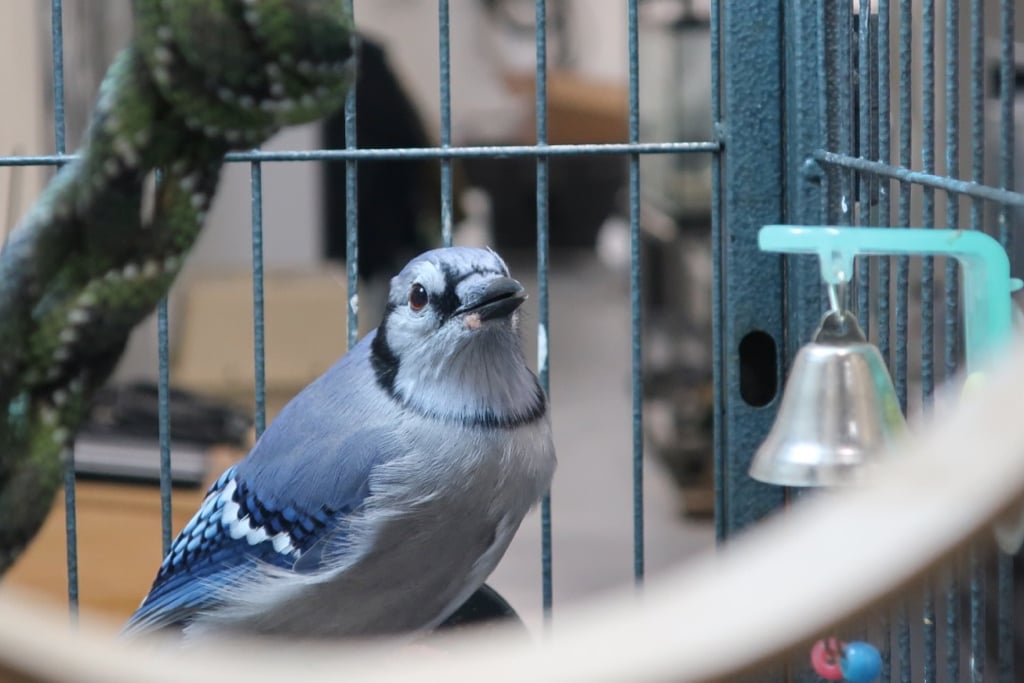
426	274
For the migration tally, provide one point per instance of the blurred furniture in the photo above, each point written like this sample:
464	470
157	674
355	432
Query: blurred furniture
119	543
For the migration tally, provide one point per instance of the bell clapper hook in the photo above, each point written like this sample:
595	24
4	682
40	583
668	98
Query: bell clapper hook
839	303
837	297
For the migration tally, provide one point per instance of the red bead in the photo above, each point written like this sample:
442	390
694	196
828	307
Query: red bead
825	656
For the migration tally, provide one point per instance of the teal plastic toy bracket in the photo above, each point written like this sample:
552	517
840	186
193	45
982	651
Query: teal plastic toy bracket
987	285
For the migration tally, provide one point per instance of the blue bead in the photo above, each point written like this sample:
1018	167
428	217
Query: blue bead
860	662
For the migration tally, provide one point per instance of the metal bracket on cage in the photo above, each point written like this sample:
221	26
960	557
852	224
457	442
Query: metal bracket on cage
988	318
988	310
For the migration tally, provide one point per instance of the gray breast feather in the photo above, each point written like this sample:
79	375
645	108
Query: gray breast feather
441	506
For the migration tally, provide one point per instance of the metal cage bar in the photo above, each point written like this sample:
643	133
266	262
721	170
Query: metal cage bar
951	299
164	424
865	142
929	626
59	128
885	190
1007	89
259	343
351	208
163	389
444	39
978	651
884	156
543	263
635	299
413	153
750	282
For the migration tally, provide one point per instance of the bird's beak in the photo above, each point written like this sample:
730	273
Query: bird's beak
499	298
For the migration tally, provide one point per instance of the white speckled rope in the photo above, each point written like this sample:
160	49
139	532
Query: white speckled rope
104	242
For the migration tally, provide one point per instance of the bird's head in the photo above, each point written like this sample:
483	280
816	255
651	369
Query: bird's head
449	340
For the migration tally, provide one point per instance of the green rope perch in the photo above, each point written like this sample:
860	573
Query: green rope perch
92	258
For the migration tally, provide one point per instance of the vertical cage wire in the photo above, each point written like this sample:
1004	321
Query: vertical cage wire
717	310
928	616
164	424
59	128
885	185
928	220
951	327
444	37
839	33
977	106
635	298
905	150
865	183
259	342
873	109
1005	626
543	263
903	282
351	206
163	389
1007	91
825	20
978	651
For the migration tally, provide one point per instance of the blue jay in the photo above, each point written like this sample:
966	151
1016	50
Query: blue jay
386	491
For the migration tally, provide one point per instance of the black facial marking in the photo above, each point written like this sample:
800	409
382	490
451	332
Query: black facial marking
448	302
382	358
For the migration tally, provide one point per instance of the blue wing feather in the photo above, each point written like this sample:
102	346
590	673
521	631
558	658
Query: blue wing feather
308	471
232	531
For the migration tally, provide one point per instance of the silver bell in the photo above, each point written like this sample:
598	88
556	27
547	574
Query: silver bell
839	411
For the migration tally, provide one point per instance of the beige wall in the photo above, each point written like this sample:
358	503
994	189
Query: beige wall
24	125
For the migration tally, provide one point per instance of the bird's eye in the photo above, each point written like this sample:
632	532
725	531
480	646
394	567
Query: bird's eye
417	297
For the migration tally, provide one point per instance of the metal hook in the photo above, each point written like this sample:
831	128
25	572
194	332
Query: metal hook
837	298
